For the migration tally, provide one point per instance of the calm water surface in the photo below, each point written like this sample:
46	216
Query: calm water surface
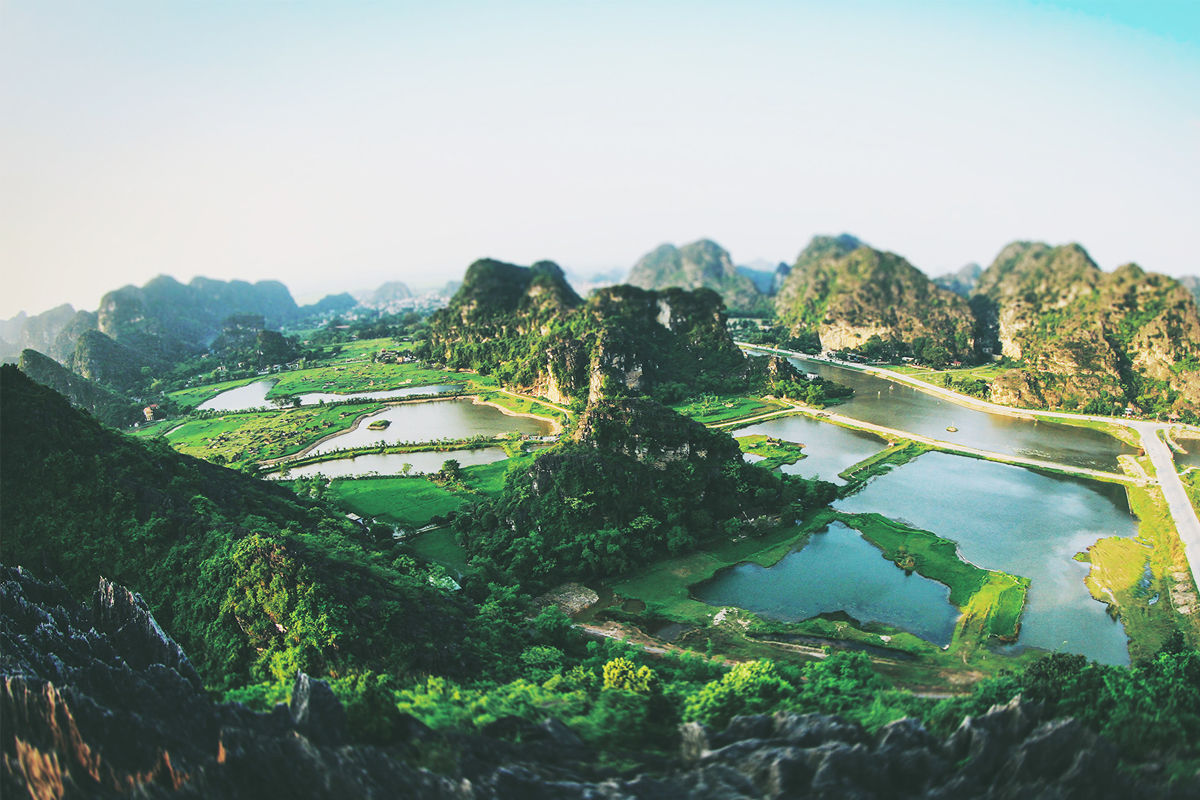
895	405
441	419
393	463
828	449
254	395
1022	522
837	570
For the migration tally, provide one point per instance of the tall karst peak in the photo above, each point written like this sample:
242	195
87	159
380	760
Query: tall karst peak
851	294
700	264
1086	338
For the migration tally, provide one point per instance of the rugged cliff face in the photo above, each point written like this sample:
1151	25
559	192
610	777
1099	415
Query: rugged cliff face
529	328
703	264
848	293
98	701
106	406
1087	336
174	319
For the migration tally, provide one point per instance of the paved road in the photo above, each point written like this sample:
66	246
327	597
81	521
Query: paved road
1186	521
1184	514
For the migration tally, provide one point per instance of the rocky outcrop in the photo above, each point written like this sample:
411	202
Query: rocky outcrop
103	404
849	293
703	264
99	702
527	326
1125	337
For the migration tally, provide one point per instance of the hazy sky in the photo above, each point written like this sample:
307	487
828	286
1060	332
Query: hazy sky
336	145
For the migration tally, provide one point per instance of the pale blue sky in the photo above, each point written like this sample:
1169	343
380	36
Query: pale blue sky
336	145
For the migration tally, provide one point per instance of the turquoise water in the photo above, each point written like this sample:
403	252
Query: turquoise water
837	570
1022	522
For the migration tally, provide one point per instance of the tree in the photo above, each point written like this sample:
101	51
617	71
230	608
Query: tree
623	674
754	687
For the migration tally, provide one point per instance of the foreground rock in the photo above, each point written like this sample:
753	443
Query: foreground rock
98	701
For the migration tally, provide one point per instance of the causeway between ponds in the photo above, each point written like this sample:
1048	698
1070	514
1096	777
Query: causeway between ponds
1182	512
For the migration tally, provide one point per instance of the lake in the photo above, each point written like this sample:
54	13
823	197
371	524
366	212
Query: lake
254	395
440	419
828	448
393	463
895	405
1022	522
837	570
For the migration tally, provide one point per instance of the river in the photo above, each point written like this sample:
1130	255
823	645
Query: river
883	402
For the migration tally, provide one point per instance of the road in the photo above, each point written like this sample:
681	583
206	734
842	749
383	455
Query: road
1184	514
1186	521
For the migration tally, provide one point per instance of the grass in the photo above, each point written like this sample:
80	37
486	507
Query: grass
894	455
441	547
341	377
413	501
1137	578
244	437
712	409
991	601
775	452
410	502
1191	485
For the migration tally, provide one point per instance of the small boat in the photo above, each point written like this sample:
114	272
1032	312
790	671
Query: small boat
952	429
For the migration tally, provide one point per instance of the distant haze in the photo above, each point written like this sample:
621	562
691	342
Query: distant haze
338	145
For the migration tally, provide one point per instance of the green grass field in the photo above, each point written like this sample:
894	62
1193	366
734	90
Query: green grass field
240	438
1136	576
775	452
412	501
337	377
712	409
991	601
406	501
439	546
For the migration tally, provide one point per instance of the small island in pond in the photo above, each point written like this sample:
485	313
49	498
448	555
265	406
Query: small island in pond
379	425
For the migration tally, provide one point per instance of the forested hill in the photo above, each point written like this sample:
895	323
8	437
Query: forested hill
703	264
254	581
852	295
1090	339
635	481
529	328
106	406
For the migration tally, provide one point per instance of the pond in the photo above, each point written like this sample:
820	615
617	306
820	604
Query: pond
1189	459
440	419
254	395
837	570
1022	522
884	402
393	463
828	448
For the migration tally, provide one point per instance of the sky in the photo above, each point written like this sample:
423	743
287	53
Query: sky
336	145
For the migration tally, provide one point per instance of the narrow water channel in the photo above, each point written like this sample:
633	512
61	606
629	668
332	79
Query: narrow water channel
895	405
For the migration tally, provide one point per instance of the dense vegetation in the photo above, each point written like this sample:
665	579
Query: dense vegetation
253	580
103	404
529	329
851	295
1089	340
636	481
700	265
